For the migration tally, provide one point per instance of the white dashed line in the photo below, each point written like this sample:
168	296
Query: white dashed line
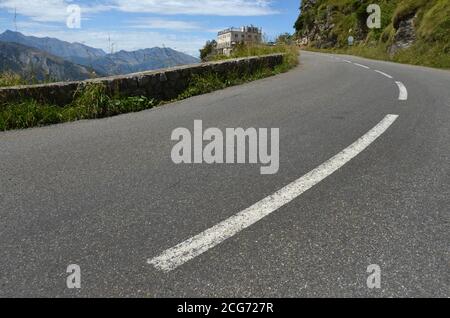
363	66
384	74
199	244
403	95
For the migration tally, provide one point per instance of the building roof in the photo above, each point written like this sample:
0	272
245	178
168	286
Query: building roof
250	29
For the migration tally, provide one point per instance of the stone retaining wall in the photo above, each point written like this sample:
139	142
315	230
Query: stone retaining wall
165	84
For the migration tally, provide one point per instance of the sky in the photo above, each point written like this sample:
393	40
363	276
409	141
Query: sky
114	25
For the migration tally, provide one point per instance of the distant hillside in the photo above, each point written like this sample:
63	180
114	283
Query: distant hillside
124	62
412	31
69	51
119	63
32	63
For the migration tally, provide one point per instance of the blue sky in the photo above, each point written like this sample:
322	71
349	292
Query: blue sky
133	24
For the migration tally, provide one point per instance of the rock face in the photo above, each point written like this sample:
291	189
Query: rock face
164	84
308	4
314	28
328	24
405	35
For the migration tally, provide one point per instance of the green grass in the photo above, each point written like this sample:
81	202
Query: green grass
10	79
92	101
90	104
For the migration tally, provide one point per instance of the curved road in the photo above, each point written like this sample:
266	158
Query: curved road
364	175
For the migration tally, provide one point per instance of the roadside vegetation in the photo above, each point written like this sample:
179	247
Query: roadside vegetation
93	102
290	52
10	79
13	79
213	81
339	19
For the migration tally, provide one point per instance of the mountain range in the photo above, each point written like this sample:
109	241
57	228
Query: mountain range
124	62
33	64
61	60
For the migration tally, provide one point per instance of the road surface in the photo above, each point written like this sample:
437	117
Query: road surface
364	175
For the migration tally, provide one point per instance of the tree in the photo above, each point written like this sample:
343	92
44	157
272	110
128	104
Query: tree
284	38
208	50
299	24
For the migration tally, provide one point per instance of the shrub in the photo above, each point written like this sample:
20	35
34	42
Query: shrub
10	79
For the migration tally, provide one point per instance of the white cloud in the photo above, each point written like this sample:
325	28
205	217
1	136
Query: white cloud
47	10
198	7
56	10
163	24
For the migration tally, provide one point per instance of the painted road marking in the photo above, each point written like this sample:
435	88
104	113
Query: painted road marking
384	74
199	244
348	61
403	95
363	66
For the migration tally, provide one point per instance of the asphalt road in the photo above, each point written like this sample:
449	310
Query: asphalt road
105	194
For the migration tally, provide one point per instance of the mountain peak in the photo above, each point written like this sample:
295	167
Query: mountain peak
10	32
